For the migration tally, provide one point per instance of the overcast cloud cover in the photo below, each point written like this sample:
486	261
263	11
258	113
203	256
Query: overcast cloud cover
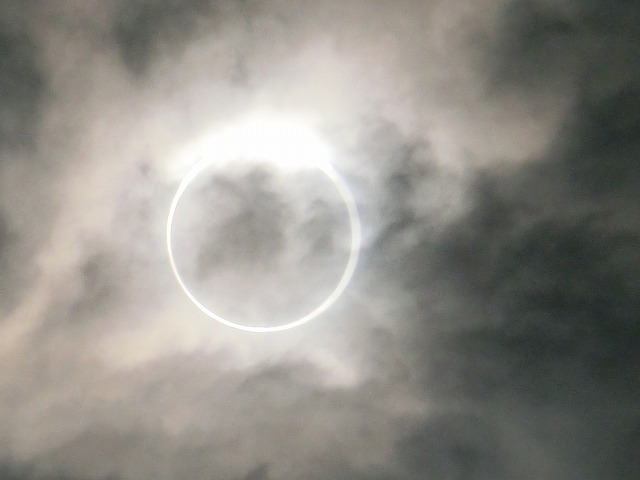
491	330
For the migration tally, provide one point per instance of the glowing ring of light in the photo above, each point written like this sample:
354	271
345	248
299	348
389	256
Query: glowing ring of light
319	161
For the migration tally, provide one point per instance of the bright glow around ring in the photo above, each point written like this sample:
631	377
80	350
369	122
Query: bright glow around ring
288	145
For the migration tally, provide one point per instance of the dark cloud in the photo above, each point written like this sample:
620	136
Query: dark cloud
24	89
255	235
452	446
22	85
409	189
322	216
145	29
6	239
107	280
625	461
528	301
261	472
548	271
12	472
16	265
576	52
531	48
600	146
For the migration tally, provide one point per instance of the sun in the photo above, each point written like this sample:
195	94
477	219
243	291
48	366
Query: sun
282	144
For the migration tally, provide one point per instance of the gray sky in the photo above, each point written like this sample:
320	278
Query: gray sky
490	330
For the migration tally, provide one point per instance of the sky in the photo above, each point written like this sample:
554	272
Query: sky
491	326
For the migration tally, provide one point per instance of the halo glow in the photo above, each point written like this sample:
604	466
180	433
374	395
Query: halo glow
288	145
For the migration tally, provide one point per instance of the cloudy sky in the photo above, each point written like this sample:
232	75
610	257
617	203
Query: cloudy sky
491	328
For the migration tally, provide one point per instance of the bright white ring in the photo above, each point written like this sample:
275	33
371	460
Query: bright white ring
354	249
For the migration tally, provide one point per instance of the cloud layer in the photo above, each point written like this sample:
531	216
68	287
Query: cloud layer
491	329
